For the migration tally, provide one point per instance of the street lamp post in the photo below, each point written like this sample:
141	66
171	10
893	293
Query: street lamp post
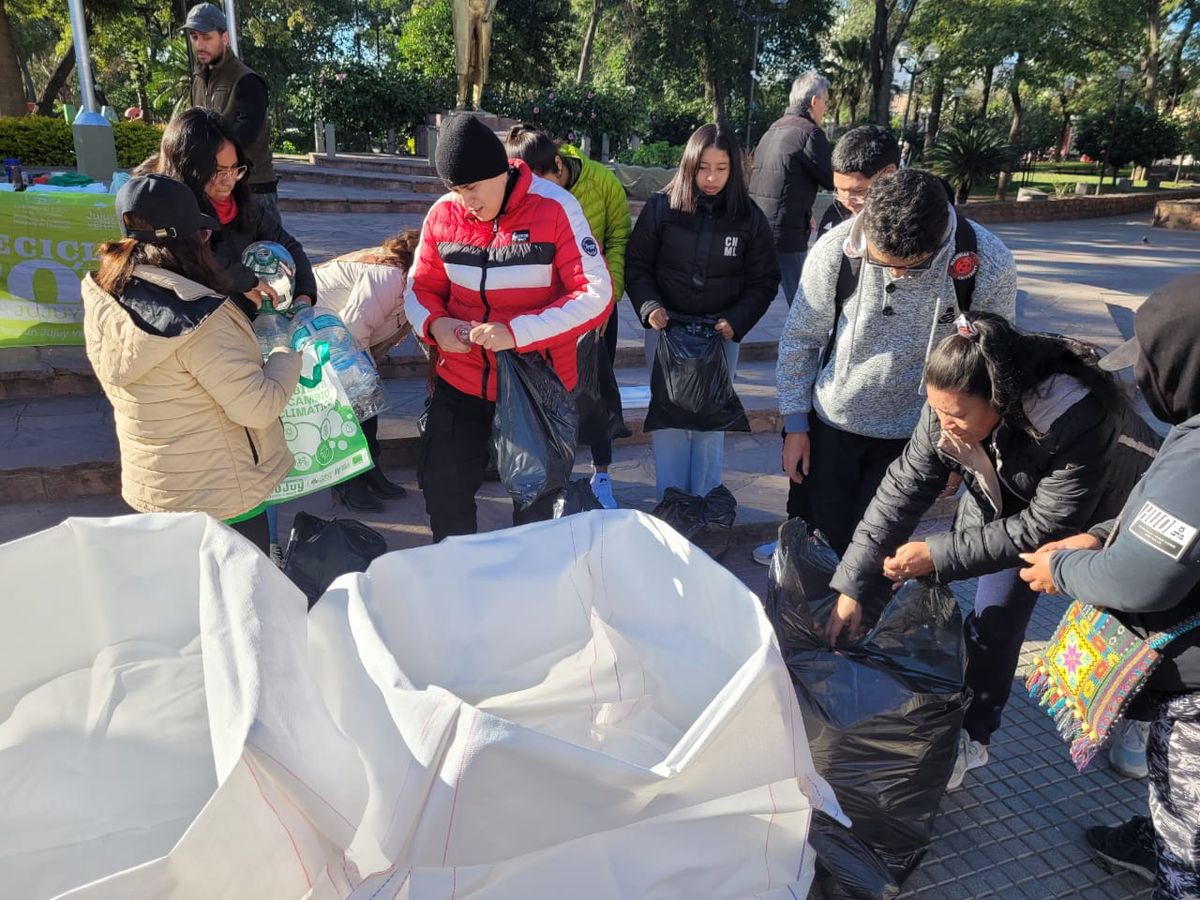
757	19
1124	73
1068	88
955	95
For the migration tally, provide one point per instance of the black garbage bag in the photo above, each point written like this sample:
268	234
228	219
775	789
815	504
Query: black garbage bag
691	386
847	869
882	714
705	521
597	396
319	550
533	429
577	497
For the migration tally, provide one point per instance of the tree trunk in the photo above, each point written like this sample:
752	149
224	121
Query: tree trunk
1175	82
881	66
1153	24
1014	130
12	97
935	112
1062	151
987	90
589	40
59	78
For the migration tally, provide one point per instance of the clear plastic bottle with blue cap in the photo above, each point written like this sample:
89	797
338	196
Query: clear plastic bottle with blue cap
353	365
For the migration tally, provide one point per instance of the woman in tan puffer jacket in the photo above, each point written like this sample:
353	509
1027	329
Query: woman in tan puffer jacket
196	408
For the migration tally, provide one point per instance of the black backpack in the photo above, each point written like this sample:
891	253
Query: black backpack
965	260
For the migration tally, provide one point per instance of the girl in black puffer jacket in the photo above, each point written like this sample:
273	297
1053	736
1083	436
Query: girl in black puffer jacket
700	248
1046	444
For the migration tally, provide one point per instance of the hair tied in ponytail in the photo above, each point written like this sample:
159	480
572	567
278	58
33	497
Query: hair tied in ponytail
967	328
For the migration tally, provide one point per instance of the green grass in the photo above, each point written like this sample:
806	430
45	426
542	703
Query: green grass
1045	181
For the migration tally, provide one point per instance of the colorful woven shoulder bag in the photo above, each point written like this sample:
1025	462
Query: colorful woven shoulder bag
1090	672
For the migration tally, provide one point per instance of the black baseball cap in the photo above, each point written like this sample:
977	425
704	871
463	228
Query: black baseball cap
168	206
205	17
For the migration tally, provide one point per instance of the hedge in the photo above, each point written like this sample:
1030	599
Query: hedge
42	141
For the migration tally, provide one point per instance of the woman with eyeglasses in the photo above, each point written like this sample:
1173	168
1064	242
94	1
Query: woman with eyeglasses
196	407
199	149
1047	445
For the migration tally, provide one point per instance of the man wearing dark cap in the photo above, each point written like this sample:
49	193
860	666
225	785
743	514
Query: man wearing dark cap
1144	567
506	262
226	85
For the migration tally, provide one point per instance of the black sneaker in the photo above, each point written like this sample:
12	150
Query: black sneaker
1129	847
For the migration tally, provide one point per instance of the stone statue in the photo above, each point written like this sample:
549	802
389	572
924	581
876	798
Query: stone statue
472	47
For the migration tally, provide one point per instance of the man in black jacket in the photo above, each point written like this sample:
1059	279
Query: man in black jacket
791	162
230	88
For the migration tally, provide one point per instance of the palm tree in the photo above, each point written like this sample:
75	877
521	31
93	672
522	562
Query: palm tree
846	67
965	156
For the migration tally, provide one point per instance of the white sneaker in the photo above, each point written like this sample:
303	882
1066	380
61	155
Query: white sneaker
763	552
971	755
602	488
276	555
1128	751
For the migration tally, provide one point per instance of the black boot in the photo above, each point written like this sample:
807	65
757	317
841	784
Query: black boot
355	495
381	486
1129	846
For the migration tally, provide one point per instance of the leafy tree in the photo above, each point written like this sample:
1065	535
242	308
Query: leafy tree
12	98
1141	137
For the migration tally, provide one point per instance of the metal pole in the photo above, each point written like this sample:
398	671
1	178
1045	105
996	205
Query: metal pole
753	76
83	55
231	18
912	83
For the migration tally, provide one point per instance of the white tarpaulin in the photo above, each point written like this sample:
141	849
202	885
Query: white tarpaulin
589	708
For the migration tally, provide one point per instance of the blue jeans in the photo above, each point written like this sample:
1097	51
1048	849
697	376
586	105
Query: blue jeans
790	266
688	460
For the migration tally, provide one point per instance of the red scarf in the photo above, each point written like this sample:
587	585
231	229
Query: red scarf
226	210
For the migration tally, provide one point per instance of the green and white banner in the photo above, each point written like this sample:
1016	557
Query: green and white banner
322	431
48	243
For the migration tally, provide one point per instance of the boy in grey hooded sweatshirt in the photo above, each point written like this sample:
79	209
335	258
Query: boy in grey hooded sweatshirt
849	413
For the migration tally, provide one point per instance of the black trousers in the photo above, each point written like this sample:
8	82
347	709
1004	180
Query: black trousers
255	530
454	458
844	472
370	430
602	452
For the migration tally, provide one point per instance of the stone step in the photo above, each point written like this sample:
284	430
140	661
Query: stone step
373	162
344	199
30	373
55	448
380	181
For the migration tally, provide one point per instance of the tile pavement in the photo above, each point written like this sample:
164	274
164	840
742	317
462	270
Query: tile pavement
1015	828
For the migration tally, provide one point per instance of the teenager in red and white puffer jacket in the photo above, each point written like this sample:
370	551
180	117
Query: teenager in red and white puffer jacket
506	261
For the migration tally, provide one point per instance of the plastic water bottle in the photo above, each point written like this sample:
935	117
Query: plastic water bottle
272	263
271	329
353	365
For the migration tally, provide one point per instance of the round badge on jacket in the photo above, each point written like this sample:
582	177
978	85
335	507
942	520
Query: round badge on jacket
590	247
964	265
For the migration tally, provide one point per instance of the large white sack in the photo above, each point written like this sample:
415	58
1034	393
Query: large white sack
125	749
589	707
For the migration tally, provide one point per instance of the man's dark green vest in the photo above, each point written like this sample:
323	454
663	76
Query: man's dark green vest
213	88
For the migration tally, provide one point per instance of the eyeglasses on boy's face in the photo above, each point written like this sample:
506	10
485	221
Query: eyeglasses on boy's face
900	268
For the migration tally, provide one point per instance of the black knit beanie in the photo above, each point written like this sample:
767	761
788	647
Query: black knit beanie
469	151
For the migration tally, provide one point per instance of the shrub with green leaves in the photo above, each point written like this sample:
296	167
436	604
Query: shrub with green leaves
135	141
658	153
42	141
968	156
37	141
571	111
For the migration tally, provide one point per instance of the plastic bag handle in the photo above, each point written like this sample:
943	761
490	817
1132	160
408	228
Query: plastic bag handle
321	348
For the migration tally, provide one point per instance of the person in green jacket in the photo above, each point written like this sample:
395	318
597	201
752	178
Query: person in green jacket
607	210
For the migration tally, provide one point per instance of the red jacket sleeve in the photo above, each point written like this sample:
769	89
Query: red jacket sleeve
587	287
428	284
